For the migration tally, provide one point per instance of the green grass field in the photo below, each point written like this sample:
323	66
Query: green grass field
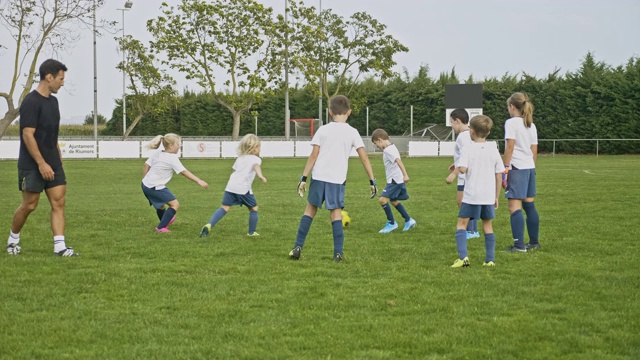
136	294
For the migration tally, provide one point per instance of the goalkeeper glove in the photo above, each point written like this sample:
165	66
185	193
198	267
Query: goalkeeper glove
505	176
374	188
302	186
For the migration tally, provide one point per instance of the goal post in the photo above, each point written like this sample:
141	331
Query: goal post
304	127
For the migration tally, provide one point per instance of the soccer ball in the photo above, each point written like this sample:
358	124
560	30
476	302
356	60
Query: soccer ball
346	220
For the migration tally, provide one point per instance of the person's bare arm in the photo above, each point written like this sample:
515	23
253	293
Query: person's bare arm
509	145
28	136
534	150
405	176
498	185
258	171
186	173
145	169
364	159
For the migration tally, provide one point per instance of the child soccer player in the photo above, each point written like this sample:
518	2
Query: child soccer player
329	160
520	155
396	188
481	163
157	172
238	190
460	125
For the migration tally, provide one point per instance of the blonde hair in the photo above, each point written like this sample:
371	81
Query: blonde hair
248	144
166	140
522	103
481	125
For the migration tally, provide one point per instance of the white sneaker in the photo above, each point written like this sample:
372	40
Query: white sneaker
66	252
13	249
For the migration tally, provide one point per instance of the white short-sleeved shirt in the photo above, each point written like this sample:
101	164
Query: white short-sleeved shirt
243	174
163	165
335	140
483	162
391	168
514	129
463	139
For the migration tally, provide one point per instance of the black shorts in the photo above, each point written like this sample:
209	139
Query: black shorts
31	180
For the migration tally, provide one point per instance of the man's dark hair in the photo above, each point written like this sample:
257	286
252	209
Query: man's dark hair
460	114
52	67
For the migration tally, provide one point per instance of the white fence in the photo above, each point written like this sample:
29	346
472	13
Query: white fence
9	149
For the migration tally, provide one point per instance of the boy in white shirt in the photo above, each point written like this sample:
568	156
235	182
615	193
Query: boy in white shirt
482	165
460	125
238	190
396	188
329	159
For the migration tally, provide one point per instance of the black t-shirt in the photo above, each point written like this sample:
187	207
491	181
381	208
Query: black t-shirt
43	114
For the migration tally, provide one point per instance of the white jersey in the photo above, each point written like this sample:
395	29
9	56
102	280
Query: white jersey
243	174
464	138
336	139
163	165
514	129
391	168
483	162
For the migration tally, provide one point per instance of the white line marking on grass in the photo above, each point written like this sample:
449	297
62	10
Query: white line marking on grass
588	172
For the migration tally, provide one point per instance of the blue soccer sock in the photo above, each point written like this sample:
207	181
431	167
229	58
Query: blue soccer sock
166	218
517	228
461	243
217	215
490	247
303	230
472	226
338	237
533	221
387	210
403	212
160	213
253	221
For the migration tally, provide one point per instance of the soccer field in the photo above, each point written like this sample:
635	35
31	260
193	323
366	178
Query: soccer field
136	294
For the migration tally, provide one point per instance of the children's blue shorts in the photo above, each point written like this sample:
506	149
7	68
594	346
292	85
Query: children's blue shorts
158	198
395	192
521	184
231	199
331	194
484	212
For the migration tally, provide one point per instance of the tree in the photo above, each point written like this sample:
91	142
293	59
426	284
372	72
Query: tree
339	51
88	120
36	27
209	40
152	88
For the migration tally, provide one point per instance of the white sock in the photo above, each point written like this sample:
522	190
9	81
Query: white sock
13	238
58	243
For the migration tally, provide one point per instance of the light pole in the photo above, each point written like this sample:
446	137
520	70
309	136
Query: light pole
95	77
287	115
320	76
127	5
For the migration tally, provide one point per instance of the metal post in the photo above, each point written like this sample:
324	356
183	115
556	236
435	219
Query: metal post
320	75
411	120
367	121
597	147
124	86
287	126
95	77
554	148
256	120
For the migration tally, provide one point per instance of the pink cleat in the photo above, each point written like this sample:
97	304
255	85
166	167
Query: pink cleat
163	230
172	220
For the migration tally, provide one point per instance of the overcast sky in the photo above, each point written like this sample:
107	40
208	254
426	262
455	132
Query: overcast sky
481	38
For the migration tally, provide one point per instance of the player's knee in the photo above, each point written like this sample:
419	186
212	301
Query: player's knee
175	205
383	201
255	208
29	207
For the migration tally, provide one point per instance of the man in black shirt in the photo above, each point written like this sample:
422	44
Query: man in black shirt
40	160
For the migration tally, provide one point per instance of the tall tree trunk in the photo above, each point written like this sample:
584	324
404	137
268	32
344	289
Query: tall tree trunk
236	124
7	120
132	126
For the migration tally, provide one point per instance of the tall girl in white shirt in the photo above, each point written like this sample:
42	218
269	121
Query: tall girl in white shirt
520	155
157	172
238	190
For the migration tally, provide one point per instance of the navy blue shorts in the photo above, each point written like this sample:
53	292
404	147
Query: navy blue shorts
30	180
521	184
158	198
394	192
331	194
232	199
484	212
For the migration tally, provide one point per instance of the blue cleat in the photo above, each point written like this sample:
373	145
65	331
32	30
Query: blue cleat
472	235
389	228
409	225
